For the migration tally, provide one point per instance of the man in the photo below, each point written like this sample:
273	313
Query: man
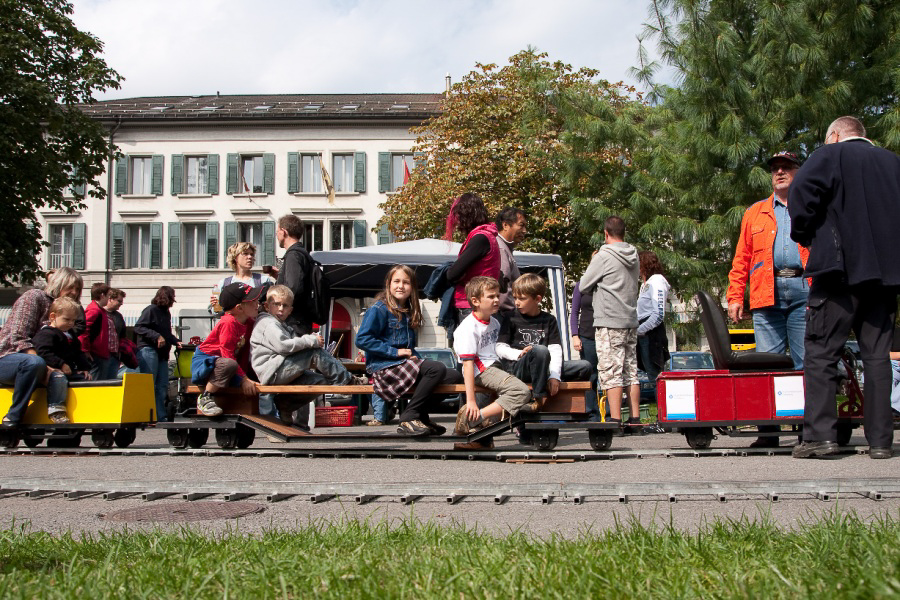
295	270
613	276
845	207
773	264
511	229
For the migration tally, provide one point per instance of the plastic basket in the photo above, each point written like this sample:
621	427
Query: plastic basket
335	416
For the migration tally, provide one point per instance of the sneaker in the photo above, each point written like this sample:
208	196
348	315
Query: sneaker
532	407
375	423
462	423
59	418
476	445
207	406
359	380
814	449
414	428
434	427
765	442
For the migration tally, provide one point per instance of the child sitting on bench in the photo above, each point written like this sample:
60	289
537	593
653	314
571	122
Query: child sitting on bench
530	346
280	358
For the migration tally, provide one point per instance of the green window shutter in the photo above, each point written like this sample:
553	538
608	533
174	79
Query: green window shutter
156	245
231	238
118	246
177	174
293	172
384	235
359	233
175	245
78	242
212	245
359	172
268	243
231	173
156	183
212	174
384	172
269	173
121	175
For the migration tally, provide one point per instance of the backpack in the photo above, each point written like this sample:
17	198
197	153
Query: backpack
318	302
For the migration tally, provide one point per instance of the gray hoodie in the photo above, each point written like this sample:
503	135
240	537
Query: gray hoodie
614	272
270	342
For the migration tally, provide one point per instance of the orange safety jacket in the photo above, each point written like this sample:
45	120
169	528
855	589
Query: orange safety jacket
753	257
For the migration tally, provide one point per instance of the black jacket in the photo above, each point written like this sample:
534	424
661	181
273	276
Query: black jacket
294	273
845	207
153	323
57	349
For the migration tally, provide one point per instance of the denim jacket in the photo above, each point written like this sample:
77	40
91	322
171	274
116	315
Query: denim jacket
381	334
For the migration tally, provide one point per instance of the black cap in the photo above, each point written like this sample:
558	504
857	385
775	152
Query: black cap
235	293
788	156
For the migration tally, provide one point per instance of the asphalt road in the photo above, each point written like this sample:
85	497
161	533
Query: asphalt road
55	514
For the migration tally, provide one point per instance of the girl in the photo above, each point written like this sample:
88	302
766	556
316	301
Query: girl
388	337
653	346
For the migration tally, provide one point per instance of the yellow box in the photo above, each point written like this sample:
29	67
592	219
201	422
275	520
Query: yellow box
183	358
130	402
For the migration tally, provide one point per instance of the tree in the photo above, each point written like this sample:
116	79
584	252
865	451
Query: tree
47	144
498	135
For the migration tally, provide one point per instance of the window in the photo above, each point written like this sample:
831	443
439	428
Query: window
252	232
195	174
139	175
312	237
250	174
342	172
137	255
198	174
60	246
394	169
194	246
341	235
310	174
251	177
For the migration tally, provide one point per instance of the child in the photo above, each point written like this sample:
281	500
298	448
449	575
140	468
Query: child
62	354
224	354
388	337
530	345
475	342
280	358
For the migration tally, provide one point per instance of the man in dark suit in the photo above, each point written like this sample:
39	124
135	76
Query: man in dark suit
845	207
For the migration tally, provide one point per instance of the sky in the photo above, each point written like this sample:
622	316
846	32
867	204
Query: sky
188	47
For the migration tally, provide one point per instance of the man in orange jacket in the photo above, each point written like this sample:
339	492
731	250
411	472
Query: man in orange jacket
773	264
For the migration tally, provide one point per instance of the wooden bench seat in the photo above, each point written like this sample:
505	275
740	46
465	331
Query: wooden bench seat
570	398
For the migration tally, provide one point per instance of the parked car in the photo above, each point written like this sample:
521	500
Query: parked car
448	357
690	361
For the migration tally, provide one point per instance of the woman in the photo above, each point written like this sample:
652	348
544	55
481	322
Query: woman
240	257
20	366
155	340
653	346
479	255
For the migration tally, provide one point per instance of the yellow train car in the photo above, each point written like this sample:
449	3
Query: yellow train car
112	410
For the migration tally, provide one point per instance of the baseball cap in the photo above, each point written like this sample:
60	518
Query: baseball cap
788	156
235	293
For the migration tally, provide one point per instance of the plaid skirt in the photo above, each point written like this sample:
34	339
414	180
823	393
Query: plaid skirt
391	383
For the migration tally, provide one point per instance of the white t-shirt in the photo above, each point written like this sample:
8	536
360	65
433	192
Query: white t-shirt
477	341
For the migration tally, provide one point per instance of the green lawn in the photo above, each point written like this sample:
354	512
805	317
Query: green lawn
840	556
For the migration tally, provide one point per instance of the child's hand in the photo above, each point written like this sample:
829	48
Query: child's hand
87	375
320	340
404	352
472	412
525	351
66	369
249	387
552	386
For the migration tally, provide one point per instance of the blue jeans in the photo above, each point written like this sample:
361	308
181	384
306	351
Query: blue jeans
57	392
589	353
150	362
895	391
783	324
24	372
105	368
379	408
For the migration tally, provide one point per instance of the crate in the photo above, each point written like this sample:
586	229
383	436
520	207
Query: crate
335	416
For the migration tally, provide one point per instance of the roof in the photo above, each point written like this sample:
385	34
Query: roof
268	107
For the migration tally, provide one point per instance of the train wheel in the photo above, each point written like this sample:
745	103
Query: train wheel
227	438
699	438
9	439
600	439
178	438
125	436
103	438
197	437
69	439
844	433
545	439
32	441
245	436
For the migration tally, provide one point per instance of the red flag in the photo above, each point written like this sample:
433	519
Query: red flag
405	172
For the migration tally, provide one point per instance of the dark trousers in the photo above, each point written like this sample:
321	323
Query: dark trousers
589	353
534	368
834	309
431	374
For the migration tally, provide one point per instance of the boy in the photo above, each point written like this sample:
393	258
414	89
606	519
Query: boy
62	354
475	342
224	354
99	340
279	358
530	346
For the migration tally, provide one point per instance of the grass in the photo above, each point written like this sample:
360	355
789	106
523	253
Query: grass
840	555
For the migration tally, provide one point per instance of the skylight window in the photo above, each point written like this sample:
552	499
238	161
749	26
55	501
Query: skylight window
312	107
350	107
160	108
400	107
262	107
211	108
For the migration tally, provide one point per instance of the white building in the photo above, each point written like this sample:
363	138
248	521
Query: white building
198	173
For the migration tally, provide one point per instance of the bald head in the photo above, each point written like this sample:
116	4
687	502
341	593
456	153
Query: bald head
844	127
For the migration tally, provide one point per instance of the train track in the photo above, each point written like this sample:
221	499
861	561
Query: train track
452	493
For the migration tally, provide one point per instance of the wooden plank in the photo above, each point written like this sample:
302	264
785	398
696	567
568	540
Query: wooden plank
572	386
273	424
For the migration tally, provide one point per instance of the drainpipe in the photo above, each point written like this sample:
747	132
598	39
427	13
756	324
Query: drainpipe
110	168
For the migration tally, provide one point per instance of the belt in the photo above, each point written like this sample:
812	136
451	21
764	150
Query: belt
789	273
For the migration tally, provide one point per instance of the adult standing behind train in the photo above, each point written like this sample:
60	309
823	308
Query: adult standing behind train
295	270
20	366
581	324
479	254
511	229
653	345
845	207
773	264
155	341
240	257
